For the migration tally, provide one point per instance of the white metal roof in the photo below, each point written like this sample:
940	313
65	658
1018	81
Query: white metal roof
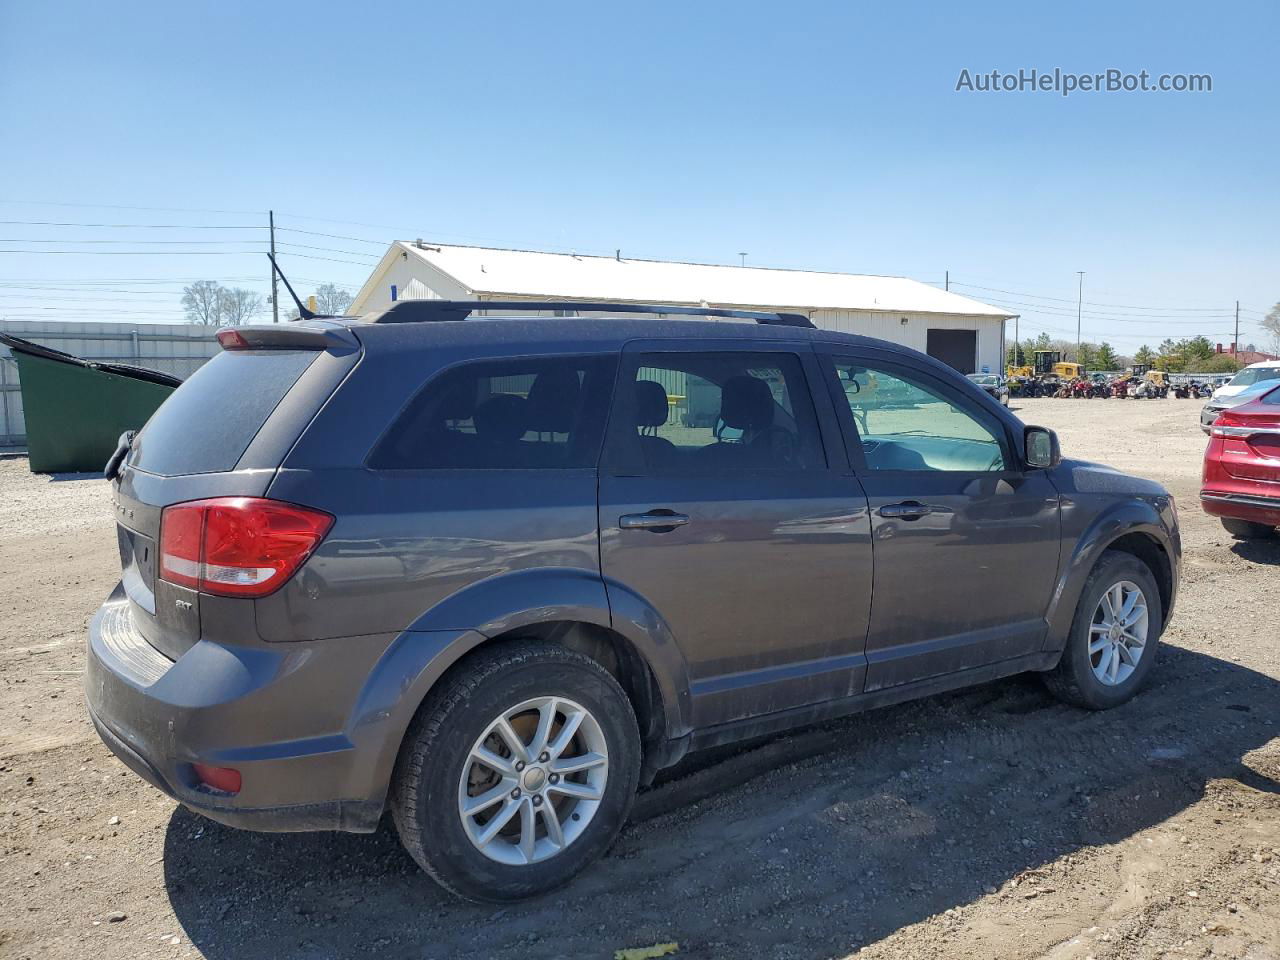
522	273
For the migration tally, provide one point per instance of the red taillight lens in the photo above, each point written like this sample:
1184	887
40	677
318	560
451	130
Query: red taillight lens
219	778
232	340
237	546
181	530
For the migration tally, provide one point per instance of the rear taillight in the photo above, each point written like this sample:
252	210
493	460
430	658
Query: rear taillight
237	546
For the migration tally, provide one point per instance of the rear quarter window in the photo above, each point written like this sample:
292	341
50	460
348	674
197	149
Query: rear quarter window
209	421
529	413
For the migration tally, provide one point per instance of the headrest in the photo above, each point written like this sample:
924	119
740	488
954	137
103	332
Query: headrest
458	402
554	400
651	404
746	403
501	418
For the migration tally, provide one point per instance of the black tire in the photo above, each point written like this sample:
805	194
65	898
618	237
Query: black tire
1073	680
1247	530
424	788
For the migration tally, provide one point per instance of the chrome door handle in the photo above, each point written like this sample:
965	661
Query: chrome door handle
653	520
909	510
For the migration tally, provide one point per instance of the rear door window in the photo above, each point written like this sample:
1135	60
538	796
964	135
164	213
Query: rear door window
539	413
701	412
209	421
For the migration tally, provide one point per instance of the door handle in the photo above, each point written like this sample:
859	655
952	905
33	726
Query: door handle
907	510
659	521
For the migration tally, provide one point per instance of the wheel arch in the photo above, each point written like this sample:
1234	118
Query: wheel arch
568	607
1134	527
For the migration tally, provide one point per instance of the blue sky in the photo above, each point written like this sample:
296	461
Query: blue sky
827	136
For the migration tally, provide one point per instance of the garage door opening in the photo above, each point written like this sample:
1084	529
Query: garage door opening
955	348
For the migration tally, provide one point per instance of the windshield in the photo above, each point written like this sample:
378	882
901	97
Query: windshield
1252	375
985	381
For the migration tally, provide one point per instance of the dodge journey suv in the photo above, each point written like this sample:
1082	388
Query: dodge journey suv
491	573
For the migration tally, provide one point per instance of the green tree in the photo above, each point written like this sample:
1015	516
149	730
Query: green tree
1144	355
1107	359
1217	363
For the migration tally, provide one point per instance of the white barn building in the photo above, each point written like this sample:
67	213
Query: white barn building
965	333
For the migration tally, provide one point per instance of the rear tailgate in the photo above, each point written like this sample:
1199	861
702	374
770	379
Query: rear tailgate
224	432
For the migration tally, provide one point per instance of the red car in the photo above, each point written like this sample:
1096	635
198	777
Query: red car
1242	468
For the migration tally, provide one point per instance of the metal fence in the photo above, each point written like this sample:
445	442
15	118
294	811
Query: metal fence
170	348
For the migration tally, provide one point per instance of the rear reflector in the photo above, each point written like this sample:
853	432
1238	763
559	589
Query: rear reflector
237	546
219	778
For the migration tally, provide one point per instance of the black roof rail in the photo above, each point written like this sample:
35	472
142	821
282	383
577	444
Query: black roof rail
435	311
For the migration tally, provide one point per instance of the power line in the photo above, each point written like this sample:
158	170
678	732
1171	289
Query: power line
116	206
128	226
1095	315
142	253
1070	300
130	240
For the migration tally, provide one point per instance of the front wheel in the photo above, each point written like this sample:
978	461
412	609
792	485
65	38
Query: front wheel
1111	648
1247	530
517	773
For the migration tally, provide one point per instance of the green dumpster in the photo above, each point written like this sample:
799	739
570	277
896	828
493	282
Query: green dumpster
76	409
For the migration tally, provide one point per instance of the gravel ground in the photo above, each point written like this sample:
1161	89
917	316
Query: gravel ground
992	823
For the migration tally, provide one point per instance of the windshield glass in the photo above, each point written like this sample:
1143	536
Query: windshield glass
986	381
1253	375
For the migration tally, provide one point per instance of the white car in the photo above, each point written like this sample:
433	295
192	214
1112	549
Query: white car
1255	379
1246	378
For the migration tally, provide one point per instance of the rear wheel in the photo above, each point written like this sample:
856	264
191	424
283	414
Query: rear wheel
1247	530
1112	645
518	772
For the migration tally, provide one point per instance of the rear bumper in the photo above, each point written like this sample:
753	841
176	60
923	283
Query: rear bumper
1240	506
279	716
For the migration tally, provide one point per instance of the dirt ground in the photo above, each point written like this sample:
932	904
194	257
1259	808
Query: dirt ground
993	823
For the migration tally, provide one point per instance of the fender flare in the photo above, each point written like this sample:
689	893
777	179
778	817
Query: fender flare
1122	519
418	657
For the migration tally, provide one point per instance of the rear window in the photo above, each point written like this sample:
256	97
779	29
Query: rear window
209	421
533	413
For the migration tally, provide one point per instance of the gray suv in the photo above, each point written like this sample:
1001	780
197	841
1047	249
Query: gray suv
492	573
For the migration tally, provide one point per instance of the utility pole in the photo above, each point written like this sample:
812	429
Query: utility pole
1236	349
947	282
1079	311
275	290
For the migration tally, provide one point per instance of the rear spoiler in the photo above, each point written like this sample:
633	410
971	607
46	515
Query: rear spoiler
333	337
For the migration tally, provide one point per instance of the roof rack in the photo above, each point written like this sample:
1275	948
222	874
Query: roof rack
436	311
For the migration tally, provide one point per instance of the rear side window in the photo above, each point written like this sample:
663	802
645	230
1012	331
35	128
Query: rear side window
707	412
532	413
209	421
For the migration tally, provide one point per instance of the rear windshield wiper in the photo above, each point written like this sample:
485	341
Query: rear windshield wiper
112	469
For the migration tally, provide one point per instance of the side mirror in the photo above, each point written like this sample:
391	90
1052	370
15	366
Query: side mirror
1043	450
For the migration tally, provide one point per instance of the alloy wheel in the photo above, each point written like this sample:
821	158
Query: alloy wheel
1118	633
533	781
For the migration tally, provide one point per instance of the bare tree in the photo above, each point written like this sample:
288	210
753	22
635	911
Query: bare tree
332	301
1271	324
202	302
237	305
